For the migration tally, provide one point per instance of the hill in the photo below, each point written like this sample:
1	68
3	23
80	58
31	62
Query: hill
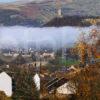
38	13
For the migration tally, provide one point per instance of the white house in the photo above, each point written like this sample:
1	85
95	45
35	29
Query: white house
6	83
67	88
49	55
36	79
61	86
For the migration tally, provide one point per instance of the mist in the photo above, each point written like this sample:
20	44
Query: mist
19	36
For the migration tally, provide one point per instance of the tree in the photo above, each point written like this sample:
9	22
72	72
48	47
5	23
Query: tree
3	96
87	83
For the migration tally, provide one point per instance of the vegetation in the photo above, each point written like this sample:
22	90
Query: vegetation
68	62
23	83
3	96
63	62
88	83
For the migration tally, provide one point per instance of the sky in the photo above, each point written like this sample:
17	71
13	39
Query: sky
9	1
6	1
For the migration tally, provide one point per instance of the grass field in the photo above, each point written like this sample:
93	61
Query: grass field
68	62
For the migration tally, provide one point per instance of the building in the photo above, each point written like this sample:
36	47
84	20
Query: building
6	84
67	88
60	86
37	81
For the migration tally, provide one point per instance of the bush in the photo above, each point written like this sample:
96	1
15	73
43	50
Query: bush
3	96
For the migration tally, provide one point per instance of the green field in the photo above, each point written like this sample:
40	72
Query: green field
68	62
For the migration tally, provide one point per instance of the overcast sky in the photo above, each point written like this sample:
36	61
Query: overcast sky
8	1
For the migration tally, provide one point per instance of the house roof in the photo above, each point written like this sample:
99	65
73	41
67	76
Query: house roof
55	84
50	82
6	83
4	74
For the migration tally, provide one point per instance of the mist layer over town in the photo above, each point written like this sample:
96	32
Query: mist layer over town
18	36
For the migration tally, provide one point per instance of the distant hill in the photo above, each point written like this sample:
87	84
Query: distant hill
13	17
37	14
70	21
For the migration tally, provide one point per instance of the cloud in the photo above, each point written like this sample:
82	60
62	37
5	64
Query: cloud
22	36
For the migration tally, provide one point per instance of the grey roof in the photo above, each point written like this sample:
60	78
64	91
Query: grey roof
56	83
